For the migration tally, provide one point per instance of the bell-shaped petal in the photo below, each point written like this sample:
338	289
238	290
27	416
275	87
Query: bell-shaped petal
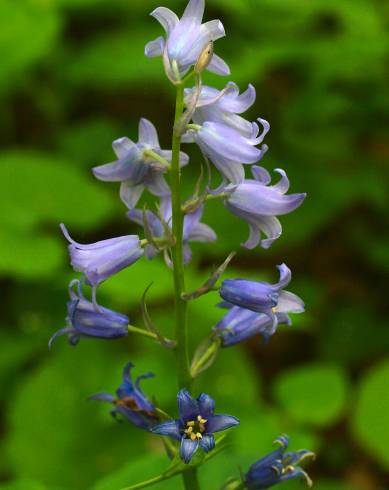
100	260
196	424
277	467
259	204
131	403
188	449
186	38
255	296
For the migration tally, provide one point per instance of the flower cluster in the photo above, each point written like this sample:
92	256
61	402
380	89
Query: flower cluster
213	120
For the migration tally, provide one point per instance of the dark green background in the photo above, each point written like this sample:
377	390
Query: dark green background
72	79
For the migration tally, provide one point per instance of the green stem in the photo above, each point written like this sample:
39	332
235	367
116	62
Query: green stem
148	483
140	331
184	377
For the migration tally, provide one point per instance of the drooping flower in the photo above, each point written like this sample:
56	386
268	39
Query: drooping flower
186	39
258	203
227	148
196	425
240	324
131	402
223	106
194	230
137	168
85	320
263	297
100	260
277	467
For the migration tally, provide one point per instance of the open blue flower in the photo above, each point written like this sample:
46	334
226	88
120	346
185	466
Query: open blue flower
259	204
88	320
131	402
100	260
135	168
240	324
227	148
263	297
223	106
277	467
194	230
186	40
196	425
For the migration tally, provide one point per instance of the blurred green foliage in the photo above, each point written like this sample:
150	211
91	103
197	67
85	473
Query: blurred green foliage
73	78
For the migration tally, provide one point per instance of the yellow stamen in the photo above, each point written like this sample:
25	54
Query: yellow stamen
193	436
190	423
198	435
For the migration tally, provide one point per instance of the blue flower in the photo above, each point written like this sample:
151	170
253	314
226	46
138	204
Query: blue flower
87	320
277	467
258	203
262	297
186	40
196	424
223	106
100	260
131	402
240	324
135	168
227	148
194	230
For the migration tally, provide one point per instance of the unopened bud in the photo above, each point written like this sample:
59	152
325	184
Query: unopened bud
205	58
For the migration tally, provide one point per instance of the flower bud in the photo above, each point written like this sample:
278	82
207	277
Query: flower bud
205	58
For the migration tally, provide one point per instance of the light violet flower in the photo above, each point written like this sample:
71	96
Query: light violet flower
84	320
131	403
186	39
240	324
223	106
258	203
278	466
196	425
136	168
263	297
227	148
98	261
194	230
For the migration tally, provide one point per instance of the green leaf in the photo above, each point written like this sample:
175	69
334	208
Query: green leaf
23	485
370	419
313	394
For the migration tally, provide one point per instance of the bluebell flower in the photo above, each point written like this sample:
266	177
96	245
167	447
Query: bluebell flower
130	401
186	39
259	204
227	148
193	230
100	260
196	425
277	467
240	324
85	320
135	168
263	297
223	106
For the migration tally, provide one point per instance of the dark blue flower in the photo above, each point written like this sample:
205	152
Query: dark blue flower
277	467
259	204
194	230
196	424
240	324
88	320
136	168
100	260
131	402
186	40
262	297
